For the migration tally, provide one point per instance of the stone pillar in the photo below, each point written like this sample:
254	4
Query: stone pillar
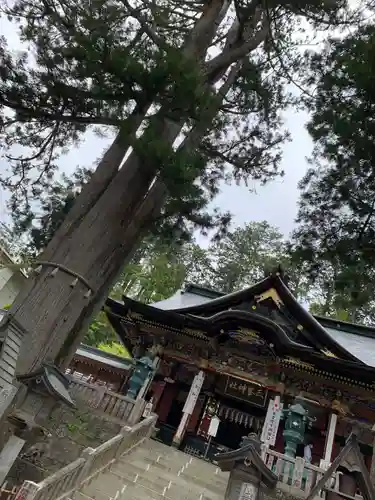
8	455
190	403
330	439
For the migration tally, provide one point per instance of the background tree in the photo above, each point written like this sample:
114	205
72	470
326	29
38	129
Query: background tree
115	348
244	256
337	209
247	254
120	65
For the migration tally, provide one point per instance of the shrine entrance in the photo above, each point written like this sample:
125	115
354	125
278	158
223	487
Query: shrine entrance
237	419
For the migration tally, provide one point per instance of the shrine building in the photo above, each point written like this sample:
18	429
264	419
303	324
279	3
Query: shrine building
92	365
241	350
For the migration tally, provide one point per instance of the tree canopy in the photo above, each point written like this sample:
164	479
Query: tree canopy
105	63
337	209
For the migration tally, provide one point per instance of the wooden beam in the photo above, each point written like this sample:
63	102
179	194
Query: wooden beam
332	468
366	486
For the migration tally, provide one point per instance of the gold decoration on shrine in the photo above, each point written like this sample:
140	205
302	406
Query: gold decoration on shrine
340	408
135	315
297	362
328	353
195	333
249	336
248	333
203	363
270	294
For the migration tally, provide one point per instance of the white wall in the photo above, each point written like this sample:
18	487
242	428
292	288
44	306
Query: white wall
11	282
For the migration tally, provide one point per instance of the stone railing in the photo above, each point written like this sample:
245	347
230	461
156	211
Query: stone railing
113	406
93	461
295	476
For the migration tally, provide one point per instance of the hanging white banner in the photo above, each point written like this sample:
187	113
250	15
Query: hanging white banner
195	389
272	422
214	426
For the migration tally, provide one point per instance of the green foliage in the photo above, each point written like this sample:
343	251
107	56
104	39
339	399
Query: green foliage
244	256
335	237
161	270
100	331
105	63
114	348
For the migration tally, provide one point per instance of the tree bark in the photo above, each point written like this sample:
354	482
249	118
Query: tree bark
150	207
101	178
90	251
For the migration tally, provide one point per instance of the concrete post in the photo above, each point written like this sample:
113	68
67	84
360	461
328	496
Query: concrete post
9	454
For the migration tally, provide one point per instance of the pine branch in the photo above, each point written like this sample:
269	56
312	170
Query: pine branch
27	113
226	58
158	40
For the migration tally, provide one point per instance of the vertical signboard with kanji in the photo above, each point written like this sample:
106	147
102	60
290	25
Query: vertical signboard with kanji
272	422
194	393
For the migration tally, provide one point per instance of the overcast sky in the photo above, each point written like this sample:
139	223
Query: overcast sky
276	202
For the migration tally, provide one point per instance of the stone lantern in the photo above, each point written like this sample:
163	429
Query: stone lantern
250	478
297	420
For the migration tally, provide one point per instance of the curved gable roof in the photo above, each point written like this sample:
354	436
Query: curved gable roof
343	345
197	305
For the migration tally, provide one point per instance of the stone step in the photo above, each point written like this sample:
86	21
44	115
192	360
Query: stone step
205	467
164	463
152	454
152	473
165	483
155	471
108	484
198	488
130	467
154	482
94	495
80	496
196	471
206	488
177	492
137	492
211	479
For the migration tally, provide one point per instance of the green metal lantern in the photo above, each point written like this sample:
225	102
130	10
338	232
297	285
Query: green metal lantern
142	369
297	421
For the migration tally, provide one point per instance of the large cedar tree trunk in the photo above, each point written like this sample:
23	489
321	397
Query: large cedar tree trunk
55	303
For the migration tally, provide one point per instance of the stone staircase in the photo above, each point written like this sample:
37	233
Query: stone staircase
154	471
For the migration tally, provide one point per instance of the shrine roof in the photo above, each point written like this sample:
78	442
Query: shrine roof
106	358
190	296
358	340
197	307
